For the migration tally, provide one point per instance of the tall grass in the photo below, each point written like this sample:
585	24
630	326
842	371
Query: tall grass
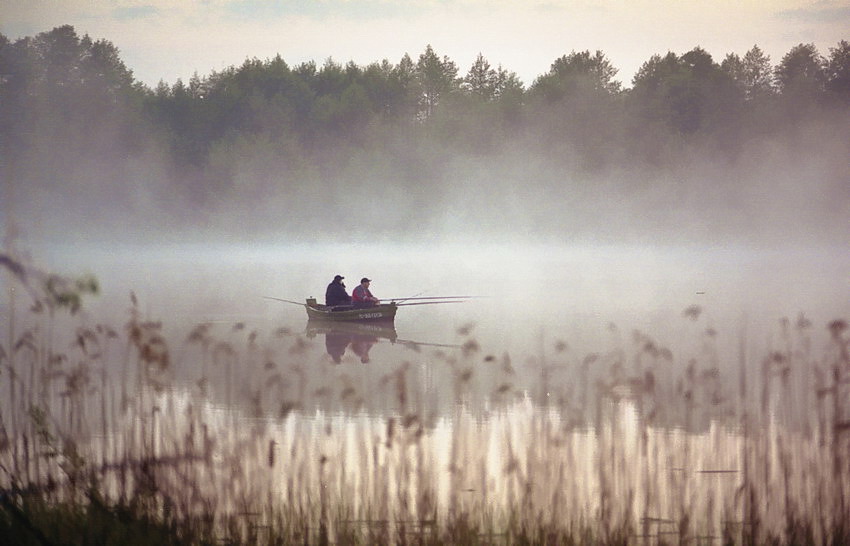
113	434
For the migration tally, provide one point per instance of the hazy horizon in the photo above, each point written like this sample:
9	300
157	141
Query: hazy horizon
161	40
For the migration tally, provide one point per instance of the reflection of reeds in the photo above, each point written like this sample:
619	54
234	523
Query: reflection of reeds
628	445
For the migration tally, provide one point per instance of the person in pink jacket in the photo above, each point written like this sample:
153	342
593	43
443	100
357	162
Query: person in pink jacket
361	296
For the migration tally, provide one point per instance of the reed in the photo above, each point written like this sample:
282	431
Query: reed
233	434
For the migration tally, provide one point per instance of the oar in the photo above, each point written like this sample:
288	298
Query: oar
286	301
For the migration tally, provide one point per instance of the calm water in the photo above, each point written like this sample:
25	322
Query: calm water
634	387
541	312
630	386
560	291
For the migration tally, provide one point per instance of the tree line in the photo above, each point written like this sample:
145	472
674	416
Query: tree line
278	140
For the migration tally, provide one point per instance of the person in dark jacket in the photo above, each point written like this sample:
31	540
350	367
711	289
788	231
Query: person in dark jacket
336	293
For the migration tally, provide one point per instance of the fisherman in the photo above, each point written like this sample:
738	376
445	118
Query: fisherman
336	293
361	296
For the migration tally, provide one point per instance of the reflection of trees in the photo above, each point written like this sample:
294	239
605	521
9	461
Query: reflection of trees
688	387
172	449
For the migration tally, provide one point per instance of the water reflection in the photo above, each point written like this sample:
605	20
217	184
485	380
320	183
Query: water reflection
356	337
321	366
645	440
684	427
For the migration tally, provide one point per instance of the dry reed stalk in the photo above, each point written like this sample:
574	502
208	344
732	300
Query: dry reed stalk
512	469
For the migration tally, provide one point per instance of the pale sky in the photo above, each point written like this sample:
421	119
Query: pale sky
167	40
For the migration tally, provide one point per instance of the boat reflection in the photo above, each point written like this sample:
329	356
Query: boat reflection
357	337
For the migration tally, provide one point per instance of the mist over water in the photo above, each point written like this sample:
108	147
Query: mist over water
638	363
770	195
528	296
658	290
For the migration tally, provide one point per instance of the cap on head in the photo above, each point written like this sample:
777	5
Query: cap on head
338	278
364	279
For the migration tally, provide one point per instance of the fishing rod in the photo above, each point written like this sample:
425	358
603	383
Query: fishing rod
426	303
410	297
399	300
286	301
397	304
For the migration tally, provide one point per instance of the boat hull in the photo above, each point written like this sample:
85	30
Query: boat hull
377	313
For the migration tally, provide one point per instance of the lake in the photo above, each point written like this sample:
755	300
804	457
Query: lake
631	386
535	303
528	291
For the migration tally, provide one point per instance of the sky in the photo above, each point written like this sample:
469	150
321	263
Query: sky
167	39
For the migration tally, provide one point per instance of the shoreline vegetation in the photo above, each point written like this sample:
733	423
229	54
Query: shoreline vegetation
108	440
143	431
735	147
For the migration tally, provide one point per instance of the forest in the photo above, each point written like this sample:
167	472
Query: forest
694	148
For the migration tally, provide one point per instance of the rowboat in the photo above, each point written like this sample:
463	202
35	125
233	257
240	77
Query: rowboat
382	312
